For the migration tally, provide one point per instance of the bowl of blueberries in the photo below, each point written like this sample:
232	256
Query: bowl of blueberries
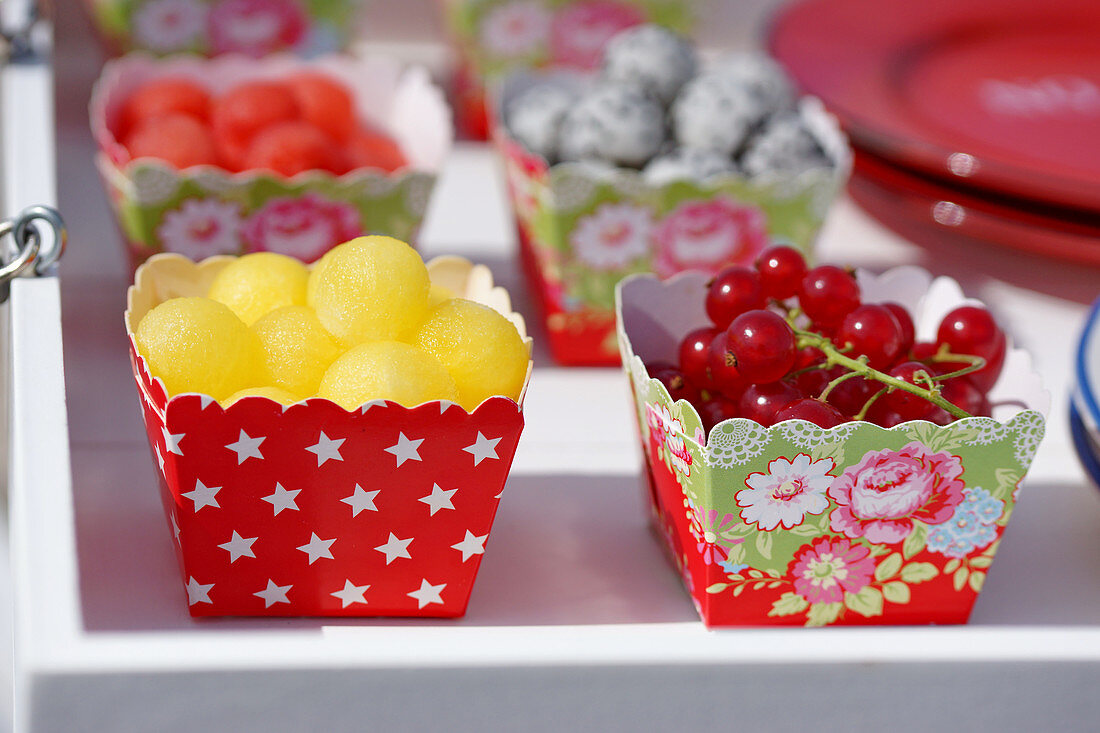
658	163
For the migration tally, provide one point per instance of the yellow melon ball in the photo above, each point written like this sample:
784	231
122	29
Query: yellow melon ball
199	345
480	348
272	393
259	283
297	348
437	294
386	370
369	289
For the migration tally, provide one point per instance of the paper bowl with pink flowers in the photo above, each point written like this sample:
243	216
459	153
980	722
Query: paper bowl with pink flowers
583	227
494	38
796	525
211	27
205	210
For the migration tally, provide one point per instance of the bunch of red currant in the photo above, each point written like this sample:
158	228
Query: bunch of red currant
790	342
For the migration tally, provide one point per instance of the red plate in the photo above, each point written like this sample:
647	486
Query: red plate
923	210
992	94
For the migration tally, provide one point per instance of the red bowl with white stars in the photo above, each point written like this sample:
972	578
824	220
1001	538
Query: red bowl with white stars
312	510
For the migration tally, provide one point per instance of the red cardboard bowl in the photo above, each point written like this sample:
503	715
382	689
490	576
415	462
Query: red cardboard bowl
796	525
312	510
204	211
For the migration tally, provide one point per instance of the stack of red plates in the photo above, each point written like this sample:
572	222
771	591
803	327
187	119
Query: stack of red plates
978	119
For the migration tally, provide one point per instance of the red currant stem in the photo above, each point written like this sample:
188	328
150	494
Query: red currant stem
867	405
860	367
804	370
944	354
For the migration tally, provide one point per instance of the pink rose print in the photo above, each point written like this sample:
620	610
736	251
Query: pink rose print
256	27
705	527
786	493
201	228
303	227
826	569
881	496
515	29
709	235
580	30
614	236
169	25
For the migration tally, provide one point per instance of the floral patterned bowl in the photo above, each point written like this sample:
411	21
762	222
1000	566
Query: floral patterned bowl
857	524
494	38
210	27
582	229
205	210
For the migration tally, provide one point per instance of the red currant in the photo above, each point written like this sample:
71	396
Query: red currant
962	393
923	351
762	343
724	374
781	270
761	402
678	386
882	415
971	330
693	355
871	331
717	409
905	323
827	294
819	413
732	292
812	382
908	405
849	396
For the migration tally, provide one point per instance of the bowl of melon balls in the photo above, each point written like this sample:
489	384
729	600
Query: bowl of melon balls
369	398
234	155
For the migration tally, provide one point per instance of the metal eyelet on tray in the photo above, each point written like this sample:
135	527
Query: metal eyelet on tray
24	248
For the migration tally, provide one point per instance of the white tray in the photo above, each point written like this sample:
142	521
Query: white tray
576	621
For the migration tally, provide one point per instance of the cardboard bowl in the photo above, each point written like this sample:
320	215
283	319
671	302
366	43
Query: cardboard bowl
211	27
204	211
571	219
857	524
494	38
312	510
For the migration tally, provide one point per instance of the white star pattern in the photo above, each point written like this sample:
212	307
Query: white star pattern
203	496
445	405
160	457
427	593
198	592
175	527
395	548
350	594
238	546
282	499
483	448
471	545
326	449
361	500
246	447
405	449
205	401
172	441
438	499
317	548
273	594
